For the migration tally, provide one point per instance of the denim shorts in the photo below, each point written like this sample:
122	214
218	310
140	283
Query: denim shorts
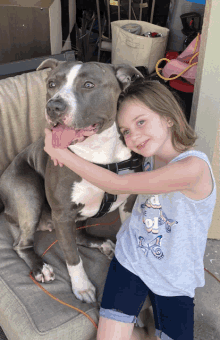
124	296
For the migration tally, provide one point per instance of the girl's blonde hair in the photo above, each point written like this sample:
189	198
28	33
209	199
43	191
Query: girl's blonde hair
161	100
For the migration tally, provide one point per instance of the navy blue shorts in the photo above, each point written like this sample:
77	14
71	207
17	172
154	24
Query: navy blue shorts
124	296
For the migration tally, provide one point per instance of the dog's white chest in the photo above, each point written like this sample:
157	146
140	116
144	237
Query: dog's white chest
104	148
91	197
87	194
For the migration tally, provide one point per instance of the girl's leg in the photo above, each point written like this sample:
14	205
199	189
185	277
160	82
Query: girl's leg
141	334
173	316
122	300
116	330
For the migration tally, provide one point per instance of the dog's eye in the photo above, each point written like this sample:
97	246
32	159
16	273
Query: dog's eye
88	85
52	84
134	77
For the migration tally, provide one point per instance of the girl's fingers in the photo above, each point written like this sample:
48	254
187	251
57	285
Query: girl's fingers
49	148
56	162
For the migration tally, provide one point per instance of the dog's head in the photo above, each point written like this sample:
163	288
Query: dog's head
82	97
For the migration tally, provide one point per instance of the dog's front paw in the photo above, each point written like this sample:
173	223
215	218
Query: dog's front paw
81	285
108	249
46	274
86	293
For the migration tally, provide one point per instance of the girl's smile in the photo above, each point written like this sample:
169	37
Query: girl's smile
145	131
142	145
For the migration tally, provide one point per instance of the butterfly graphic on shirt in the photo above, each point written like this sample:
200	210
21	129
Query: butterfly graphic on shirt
168	221
157	221
154	246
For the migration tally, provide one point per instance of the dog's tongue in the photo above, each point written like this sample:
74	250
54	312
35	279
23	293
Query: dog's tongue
63	136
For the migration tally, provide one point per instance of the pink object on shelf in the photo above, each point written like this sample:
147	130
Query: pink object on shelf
178	65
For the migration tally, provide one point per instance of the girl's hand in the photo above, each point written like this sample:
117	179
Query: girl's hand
54	153
56	162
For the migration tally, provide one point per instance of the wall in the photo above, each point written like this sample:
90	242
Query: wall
205	114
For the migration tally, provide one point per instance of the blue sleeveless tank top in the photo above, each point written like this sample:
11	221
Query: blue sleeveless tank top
163	241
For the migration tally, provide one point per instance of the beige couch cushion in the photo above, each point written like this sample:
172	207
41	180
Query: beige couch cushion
22	107
26	312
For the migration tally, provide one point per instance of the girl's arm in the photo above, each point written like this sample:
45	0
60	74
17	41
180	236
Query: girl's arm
176	176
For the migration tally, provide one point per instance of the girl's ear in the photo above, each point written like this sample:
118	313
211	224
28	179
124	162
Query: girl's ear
169	122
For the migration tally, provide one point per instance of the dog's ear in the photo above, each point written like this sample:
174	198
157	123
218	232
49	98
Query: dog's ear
126	75
49	63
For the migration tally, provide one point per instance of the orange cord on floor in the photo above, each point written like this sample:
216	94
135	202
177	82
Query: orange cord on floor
212	275
55	298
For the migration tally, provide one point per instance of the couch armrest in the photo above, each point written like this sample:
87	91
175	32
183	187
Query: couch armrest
19	67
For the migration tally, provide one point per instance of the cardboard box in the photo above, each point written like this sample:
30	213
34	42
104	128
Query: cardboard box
32	28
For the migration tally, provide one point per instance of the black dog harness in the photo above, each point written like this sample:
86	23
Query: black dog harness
133	164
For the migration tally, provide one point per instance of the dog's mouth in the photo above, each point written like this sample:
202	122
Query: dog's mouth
63	136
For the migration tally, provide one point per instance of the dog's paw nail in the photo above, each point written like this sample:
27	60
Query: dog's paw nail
108	249
39	278
87	296
46	274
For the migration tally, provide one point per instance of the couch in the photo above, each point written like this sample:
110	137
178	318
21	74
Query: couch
26	311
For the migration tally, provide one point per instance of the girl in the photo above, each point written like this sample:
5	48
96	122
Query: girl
160	247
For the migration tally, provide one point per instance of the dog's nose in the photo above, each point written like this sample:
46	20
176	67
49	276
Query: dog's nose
56	107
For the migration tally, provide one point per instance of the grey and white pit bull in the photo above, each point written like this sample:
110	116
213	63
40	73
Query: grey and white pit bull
81	97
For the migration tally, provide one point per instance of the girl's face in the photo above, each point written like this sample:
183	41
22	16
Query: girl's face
144	131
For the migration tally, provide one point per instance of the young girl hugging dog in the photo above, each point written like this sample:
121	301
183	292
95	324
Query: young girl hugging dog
160	247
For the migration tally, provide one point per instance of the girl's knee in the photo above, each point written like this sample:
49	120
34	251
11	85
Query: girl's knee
109	329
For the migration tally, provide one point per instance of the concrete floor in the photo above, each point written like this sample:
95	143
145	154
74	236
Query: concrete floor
207	298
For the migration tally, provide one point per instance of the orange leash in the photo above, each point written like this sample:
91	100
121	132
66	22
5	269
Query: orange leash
63	303
212	275
54	297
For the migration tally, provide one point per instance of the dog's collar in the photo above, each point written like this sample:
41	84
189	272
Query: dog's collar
133	164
